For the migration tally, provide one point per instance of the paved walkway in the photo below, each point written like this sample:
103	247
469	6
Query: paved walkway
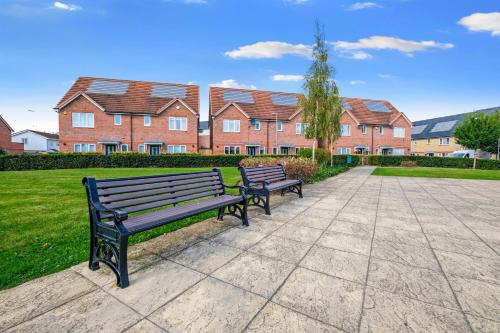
358	253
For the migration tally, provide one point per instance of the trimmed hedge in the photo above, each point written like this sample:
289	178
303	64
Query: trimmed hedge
115	160
434	161
323	157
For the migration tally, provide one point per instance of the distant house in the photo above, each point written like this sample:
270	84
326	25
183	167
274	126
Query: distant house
36	141
204	135
435	137
5	139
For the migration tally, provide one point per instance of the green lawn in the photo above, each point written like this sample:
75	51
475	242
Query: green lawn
44	219
437	173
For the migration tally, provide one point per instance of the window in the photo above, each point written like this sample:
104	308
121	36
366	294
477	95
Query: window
123	147
117	119
343	151
24	140
444	141
147	120
428	141
301	128
381	130
345	130
298	149
275	150
177	124
84	147
363	129
141	148
176	149
256	124
231	125
262	150
279	126
399	132
231	150
82	119
398	151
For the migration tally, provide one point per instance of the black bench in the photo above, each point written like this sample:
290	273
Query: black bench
261	181
153	201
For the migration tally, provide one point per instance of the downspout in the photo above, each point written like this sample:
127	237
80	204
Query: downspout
371	151
131	134
267	134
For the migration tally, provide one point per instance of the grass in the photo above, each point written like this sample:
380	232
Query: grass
44	219
437	173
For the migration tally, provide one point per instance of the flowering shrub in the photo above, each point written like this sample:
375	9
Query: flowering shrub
294	167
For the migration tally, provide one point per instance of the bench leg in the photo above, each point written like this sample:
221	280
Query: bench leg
220	214
266	205
93	262
122	263
244	213
300	190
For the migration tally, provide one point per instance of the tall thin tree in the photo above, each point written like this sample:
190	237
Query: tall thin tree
321	106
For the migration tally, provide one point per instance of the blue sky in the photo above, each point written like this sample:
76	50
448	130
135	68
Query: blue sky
429	58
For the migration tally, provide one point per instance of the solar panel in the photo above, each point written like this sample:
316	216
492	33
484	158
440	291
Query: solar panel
418	129
444	126
160	90
108	87
237	96
346	105
376	106
285	100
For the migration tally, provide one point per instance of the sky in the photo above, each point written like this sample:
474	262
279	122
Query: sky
429	58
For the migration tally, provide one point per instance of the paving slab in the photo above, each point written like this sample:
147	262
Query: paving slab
346	242
298	233
280	248
239	238
405	254
483	269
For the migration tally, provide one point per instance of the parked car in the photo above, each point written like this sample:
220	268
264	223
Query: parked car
469	153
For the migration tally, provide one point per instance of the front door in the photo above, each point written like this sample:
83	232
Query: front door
252	151
154	150
385	151
108	149
285	150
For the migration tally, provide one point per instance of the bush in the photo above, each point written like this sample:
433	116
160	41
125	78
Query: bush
323	157
294	167
409	164
325	172
432	161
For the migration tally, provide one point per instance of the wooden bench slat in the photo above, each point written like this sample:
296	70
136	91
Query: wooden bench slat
107	183
257	171
267	175
137	188
266	179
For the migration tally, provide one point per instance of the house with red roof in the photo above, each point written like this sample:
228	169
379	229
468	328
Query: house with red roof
109	115
259	122
6	143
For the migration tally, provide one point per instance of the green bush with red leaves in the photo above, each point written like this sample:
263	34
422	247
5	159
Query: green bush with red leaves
294	167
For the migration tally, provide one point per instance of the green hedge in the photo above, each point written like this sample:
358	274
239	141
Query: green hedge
433	161
115	160
323	157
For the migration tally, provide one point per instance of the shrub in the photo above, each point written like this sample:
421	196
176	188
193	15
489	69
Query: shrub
294	167
408	164
325	172
323	157
433	161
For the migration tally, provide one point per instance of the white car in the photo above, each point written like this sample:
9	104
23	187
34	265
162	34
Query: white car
470	154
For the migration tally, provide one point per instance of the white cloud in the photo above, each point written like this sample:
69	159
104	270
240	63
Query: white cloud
385	76
271	49
391	43
287	77
232	84
362	5
360	55
489	22
66	6
357	82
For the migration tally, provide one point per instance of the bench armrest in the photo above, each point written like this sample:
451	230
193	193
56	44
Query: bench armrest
118	215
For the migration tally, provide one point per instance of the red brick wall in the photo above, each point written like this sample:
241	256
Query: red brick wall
104	128
6	141
265	137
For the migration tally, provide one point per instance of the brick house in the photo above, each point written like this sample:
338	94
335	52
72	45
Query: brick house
245	121
108	115
6	143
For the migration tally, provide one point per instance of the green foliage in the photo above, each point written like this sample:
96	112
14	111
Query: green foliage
432	161
115	160
294	167
323	157
437	173
479	132
2	152
325	172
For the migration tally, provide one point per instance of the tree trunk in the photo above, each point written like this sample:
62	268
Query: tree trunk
314	139
474	162
314	151
331	151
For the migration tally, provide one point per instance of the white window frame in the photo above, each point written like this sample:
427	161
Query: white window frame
343	151
262	150
90	148
279	126
363	129
342	132
236	150
398	132
147	120
179	123
86	122
123	145
400	151
231	125
24	140
171	149
257	124
381	130
141	148
442	143
117	119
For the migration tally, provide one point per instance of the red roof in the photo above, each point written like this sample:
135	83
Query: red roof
47	135
136	98
263	107
6	123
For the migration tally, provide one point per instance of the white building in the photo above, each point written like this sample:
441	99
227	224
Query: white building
37	142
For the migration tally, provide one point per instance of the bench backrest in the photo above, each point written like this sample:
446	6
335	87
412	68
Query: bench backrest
265	173
136	194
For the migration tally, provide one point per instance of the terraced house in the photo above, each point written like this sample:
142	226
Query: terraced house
435	137
259	122
109	115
